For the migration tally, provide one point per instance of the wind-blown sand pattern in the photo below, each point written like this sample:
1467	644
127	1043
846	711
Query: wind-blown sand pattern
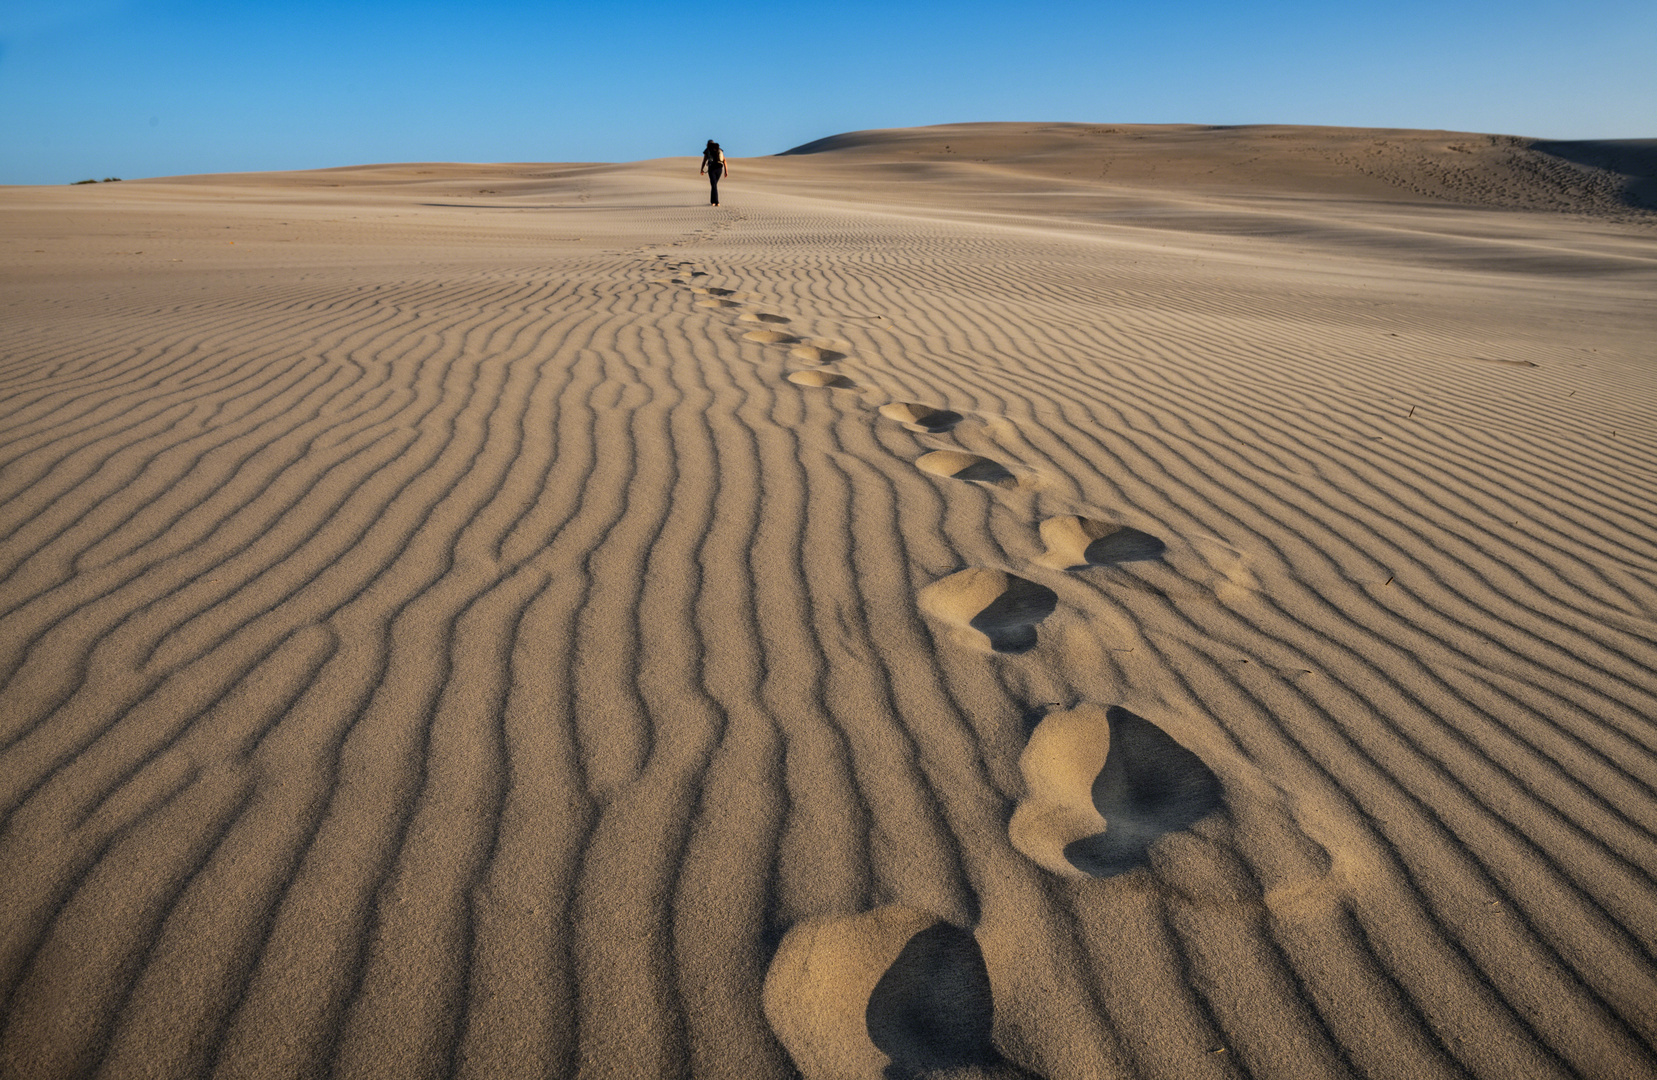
514	621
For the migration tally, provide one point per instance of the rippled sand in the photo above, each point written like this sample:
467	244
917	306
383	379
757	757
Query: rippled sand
999	600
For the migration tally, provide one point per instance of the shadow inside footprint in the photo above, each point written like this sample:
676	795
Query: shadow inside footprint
893	992
831	380
815	354
1010	620
920	417
762	316
1124	545
1150	786
985	471
1074	542
933	1008
1003	607
961	466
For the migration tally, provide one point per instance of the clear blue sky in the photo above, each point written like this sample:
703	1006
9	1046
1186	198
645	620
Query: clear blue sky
130	88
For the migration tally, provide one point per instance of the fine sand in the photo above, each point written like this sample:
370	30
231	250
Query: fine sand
1000	600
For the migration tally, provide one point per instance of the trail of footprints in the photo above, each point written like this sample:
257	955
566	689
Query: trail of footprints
908	994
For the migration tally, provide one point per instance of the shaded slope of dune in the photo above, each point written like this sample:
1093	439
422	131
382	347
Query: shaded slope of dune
487	659
1395	164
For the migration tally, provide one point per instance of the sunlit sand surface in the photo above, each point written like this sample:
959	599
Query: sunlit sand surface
1002	600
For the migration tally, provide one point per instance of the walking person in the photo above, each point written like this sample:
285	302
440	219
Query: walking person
713	163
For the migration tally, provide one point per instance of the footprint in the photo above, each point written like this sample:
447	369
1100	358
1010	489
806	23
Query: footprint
1223	569
770	337
1074	542
1065	754
717	303
921	417
714	292
888	994
1102	786
762	316
831	380
1001	607
815	354
958	465
1190	568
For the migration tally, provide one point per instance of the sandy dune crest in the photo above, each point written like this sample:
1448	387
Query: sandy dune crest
999	600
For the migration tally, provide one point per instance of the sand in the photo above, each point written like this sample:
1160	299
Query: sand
997	600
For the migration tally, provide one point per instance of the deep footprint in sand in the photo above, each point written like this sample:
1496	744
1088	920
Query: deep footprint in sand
817	351
1074	542
829	380
770	337
715	302
958	465
1101	787
763	316
891	993
990	607
1193	567
713	292
923	418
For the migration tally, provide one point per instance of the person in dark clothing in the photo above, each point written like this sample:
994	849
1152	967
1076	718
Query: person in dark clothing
713	163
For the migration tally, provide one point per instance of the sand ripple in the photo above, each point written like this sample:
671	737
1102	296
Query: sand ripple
459	658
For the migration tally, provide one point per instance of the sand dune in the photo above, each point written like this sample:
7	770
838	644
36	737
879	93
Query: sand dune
997	600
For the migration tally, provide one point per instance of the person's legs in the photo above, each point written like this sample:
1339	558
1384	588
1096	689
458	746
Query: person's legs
713	180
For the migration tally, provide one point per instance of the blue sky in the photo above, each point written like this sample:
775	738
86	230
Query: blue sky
130	88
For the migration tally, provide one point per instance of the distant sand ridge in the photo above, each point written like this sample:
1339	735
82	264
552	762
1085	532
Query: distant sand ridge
988	601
